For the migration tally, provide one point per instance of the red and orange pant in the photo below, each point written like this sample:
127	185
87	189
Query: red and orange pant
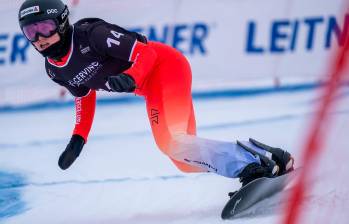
167	92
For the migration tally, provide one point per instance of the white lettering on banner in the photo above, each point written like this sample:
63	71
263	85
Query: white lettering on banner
117	35
30	10
86	74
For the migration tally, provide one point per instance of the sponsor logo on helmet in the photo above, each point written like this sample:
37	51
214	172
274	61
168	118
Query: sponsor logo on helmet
50	11
64	14
30	10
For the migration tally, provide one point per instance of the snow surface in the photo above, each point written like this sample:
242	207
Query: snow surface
121	176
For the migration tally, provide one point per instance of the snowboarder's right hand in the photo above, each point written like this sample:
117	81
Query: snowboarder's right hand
122	83
71	152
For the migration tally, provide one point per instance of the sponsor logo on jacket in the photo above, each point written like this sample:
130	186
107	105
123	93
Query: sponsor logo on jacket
85	75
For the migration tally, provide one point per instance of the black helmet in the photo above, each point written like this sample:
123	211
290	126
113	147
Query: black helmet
32	11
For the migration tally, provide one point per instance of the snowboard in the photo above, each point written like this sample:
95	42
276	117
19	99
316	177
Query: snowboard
254	192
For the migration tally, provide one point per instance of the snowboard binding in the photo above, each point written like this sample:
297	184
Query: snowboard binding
282	158
280	163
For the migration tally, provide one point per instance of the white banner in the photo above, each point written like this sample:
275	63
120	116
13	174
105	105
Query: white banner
229	43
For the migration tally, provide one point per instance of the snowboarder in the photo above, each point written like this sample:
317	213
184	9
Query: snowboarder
93	54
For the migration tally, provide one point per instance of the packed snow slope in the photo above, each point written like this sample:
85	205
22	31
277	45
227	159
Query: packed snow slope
121	176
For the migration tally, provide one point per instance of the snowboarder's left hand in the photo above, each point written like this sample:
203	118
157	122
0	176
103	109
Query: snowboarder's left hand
71	152
122	83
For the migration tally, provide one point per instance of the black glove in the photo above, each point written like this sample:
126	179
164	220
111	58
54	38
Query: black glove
122	83
71	152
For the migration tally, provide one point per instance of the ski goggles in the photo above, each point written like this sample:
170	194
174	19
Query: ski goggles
45	28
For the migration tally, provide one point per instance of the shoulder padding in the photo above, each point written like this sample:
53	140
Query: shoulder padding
87	25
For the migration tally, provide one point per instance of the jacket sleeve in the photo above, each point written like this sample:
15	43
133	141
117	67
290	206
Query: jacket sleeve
113	41
85	104
85	110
